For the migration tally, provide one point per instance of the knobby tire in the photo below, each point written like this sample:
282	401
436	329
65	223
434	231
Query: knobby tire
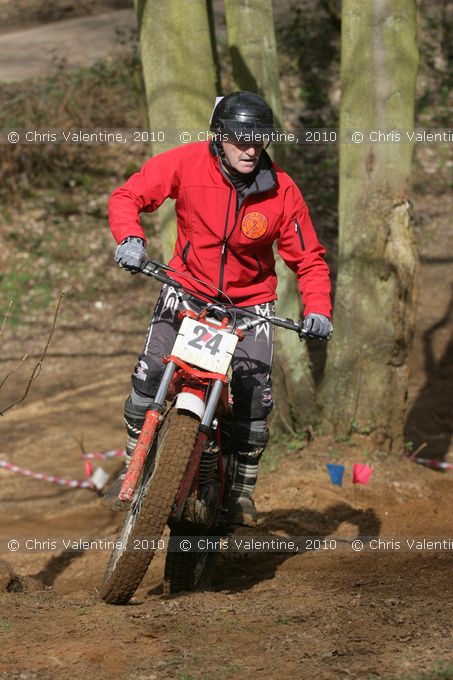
150	509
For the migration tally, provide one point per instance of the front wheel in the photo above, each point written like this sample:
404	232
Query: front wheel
150	508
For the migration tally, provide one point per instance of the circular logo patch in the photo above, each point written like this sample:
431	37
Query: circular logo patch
254	225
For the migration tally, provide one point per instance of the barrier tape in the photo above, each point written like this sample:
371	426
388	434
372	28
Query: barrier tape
97	455
95	480
72	483
437	464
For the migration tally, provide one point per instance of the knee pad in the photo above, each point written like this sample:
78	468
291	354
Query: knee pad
147	376
249	435
139	400
134	417
255	403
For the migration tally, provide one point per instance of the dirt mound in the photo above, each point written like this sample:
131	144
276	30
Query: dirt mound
10	582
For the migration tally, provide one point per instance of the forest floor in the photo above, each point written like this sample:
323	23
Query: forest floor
326	613
34	51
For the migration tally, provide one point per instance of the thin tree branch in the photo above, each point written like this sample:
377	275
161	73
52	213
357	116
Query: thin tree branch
5	318
37	368
13	371
287	425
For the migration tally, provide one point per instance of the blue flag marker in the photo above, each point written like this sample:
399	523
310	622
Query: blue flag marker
336	473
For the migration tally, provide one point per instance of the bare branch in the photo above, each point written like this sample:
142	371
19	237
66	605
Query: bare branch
5	318
13	371
37	368
287	425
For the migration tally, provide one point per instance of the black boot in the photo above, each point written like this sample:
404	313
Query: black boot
247	443
134	417
240	508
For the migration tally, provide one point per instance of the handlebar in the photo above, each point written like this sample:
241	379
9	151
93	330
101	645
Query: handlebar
154	268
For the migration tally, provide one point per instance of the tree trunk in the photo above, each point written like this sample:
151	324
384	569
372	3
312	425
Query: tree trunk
253	50
366	380
179	70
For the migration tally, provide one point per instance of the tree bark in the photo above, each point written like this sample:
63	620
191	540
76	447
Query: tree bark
179	69
366	379
253	50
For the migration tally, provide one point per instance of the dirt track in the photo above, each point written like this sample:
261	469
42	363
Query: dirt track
330	612
36	51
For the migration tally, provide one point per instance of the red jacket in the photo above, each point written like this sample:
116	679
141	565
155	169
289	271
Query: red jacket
229	248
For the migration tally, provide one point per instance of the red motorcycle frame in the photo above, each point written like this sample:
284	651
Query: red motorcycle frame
180	444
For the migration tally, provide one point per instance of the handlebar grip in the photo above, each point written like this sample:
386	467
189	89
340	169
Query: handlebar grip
288	323
163	278
153	268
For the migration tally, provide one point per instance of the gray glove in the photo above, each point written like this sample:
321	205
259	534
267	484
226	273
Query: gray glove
131	253
318	325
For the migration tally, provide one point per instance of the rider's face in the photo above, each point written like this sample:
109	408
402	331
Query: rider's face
242	157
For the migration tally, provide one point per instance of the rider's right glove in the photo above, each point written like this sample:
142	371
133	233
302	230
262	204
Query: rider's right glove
318	326
131	253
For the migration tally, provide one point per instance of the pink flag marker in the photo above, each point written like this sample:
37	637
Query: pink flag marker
361	473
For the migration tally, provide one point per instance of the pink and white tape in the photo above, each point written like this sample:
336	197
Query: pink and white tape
94	480
72	483
98	455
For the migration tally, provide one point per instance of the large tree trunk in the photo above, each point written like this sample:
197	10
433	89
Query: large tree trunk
253	50
366	378
179	69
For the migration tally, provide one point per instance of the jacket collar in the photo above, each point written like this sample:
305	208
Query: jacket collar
265	178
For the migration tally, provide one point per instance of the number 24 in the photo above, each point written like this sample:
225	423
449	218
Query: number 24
212	344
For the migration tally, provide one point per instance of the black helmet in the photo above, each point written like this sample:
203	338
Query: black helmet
242	112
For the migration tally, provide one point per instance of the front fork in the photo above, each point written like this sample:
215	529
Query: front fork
152	419
198	448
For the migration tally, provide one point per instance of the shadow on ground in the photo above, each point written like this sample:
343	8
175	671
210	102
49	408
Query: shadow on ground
429	424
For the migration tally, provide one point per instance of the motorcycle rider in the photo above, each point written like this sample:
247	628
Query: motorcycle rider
232	203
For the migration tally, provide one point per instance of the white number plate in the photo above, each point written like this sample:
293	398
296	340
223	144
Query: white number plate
205	347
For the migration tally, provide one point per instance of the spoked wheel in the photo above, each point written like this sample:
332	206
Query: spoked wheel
150	508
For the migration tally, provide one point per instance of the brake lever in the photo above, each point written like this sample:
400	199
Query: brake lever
304	335
150	267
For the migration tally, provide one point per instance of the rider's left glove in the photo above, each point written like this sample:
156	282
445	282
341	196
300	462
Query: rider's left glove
318	326
131	253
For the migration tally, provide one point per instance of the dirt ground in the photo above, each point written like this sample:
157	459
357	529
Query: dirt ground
381	612
31	53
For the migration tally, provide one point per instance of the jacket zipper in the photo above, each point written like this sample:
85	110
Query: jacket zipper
185	252
224	242
260	269
299	232
226	236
